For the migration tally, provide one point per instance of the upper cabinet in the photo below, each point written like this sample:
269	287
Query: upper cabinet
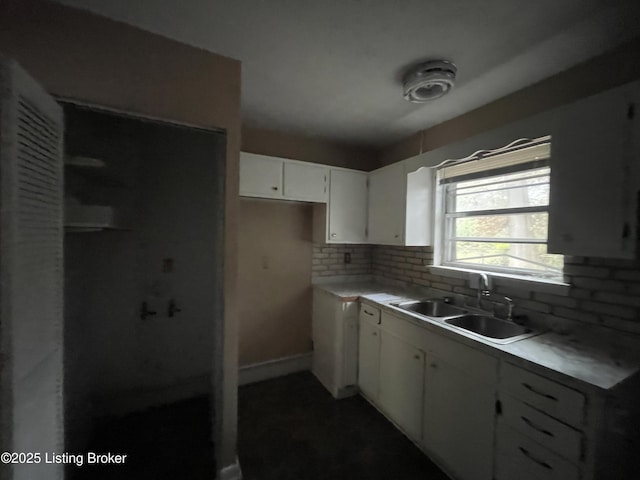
305	182
272	177
260	176
400	206
595	175
344	220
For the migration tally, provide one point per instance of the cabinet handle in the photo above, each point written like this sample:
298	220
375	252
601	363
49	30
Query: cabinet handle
368	313
535	427
375	334
433	365
526	453
396	235
537	392
334	235
417	357
274	188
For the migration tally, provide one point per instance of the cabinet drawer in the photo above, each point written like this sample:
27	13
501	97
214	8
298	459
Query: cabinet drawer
518	457
551	397
369	314
557	436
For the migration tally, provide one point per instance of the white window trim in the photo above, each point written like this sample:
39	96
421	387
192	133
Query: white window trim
500	279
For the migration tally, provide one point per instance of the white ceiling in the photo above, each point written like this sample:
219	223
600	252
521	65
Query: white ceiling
331	68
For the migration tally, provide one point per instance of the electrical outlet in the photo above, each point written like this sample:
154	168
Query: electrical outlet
347	257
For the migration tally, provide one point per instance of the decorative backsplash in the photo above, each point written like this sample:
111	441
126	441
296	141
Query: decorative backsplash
603	291
329	260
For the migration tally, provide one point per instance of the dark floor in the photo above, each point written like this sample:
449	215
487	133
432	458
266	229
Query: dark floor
172	442
290	428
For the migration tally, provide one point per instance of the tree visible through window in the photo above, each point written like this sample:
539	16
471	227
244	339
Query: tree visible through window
498	222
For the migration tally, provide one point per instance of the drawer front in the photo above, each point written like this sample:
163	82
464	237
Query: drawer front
369	314
518	457
545	430
553	398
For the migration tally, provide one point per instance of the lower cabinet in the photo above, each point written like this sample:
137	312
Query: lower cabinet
458	420
369	355
401	383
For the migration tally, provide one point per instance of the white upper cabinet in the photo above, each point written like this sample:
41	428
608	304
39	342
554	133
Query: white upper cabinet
272	177
595	175
386	205
305	181
344	220
400	206
260	176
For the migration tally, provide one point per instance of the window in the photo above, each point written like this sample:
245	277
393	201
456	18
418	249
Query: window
495	213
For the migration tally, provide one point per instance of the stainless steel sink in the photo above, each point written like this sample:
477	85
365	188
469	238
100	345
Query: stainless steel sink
496	329
432	308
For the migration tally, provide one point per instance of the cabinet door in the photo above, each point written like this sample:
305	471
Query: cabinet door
347	207
323	331
260	176
595	175
305	182
401	382
32	270
369	359
459	416
386	205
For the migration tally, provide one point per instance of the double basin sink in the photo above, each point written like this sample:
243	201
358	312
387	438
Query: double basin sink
491	328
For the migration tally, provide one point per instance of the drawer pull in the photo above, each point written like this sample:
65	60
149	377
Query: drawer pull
542	394
368	313
526	453
535	427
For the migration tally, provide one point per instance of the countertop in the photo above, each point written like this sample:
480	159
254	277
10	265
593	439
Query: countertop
600	362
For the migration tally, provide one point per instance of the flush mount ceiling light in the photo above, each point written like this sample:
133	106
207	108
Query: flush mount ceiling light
429	80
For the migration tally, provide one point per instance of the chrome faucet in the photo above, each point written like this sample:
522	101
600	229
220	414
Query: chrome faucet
483	287
510	305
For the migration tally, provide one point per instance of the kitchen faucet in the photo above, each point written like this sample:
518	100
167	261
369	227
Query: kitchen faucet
510	305
483	287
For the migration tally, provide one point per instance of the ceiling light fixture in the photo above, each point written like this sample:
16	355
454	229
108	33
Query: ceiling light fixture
429	80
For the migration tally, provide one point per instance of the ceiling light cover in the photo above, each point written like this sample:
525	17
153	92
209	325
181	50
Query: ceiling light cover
429	80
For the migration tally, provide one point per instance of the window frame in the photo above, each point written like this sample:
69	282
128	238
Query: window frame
445	222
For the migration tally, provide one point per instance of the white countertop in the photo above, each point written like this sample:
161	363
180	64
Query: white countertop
599	362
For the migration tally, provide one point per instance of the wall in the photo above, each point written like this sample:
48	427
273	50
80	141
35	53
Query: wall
598	74
309	149
603	292
275	311
78	55
274	279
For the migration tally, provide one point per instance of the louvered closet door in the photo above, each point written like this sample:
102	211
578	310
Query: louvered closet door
31	269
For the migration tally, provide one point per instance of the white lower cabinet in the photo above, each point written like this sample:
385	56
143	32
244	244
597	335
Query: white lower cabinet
519	457
369	352
334	327
459	420
401	383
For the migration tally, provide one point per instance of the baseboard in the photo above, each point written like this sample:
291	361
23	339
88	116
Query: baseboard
231	472
257	372
119	403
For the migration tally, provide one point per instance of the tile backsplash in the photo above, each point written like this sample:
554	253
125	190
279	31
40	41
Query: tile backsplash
329	260
603	292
